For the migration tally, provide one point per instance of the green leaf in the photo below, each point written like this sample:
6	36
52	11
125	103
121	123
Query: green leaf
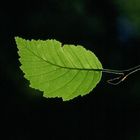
59	71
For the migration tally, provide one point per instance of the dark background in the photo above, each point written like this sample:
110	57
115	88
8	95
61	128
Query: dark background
109	28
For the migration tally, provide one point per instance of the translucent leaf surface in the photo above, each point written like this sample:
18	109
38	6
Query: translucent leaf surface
59	71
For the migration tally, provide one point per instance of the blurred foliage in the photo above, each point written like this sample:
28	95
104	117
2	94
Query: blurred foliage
130	9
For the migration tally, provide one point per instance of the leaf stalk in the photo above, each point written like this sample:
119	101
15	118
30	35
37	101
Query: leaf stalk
123	74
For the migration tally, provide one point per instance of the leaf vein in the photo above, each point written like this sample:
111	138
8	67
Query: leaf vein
66	83
79	84
55	77
45	73
76	57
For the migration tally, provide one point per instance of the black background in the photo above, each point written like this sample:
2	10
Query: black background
111	30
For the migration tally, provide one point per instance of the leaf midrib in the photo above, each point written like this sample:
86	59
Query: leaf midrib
70	68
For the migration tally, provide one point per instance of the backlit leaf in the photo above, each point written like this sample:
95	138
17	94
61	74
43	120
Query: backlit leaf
59	71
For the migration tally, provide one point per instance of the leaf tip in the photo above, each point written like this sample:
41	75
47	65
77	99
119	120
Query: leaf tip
18	40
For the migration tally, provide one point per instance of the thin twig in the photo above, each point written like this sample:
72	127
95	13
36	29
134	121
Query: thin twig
123	74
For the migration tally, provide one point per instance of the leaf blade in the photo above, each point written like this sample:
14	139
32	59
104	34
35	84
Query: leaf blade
59	71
